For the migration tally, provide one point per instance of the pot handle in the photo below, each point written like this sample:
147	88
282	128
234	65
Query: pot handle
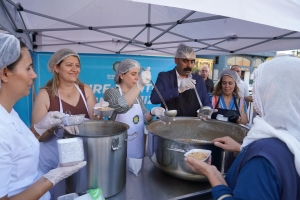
115	144
134	135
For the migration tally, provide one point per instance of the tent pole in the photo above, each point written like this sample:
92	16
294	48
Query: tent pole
75	42
149	21
191	39
268	40
12	26
171	27
133	39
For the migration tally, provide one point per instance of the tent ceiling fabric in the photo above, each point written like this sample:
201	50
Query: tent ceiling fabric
279	13
126	27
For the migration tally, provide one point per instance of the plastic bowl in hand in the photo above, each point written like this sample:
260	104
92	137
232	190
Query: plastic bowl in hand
199	154
103	111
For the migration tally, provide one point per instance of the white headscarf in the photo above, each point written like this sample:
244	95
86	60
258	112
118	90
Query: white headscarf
276	97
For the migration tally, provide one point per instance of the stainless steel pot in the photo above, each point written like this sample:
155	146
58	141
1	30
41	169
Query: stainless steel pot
168	142
105	149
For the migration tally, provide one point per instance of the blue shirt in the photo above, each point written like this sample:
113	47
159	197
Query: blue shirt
264	169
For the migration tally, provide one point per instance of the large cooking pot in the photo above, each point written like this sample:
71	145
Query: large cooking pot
167	144
105	149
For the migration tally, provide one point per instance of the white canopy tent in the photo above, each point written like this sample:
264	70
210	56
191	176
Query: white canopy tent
126	27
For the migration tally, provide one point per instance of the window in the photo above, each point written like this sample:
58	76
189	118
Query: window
257	62
238	60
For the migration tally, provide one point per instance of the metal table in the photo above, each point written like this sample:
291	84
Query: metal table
152	183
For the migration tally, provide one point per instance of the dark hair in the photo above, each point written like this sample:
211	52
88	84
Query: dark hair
12	66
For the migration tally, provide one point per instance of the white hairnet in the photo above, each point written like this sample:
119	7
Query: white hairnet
276	99
124	67
231	73
9	49
58	56
184	51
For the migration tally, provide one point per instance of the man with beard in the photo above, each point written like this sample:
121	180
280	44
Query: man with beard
177	86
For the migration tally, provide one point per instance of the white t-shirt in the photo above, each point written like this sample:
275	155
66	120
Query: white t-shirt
243	89
19	155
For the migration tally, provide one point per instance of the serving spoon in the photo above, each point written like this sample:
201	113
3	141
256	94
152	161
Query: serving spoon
206	110
168	113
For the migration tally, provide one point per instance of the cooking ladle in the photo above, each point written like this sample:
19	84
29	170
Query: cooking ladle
206	110
169	113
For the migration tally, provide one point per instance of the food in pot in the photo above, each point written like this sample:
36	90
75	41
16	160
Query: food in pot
198	155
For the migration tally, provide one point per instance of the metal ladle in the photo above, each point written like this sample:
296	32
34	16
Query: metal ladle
206	110
168	113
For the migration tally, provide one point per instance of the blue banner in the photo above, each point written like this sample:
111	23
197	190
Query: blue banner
96	71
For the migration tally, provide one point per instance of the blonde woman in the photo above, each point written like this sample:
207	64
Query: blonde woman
64	92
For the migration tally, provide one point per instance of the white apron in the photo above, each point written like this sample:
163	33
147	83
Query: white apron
49	152
135	147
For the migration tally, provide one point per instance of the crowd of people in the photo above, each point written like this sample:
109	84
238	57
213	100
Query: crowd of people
29	157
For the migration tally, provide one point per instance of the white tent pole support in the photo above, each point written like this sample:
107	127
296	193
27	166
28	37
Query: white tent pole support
190	39
124	26
133	38
119	36
87	28
119	26
213	50
176	34
12	3
24	25
75	42
11	26
75	24
193	20
54	18
290	38
54	29
149	21
269	40
213	45
68	43
147	50
254	38
9	15
171	27
172	42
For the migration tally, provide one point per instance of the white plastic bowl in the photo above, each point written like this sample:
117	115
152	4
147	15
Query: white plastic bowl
208	152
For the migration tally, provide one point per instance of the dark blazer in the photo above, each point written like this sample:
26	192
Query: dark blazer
166	84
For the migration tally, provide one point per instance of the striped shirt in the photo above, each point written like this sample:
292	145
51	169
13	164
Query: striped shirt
119	103
222	105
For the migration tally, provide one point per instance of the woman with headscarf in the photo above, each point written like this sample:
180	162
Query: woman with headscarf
64	92
268	166
129	108
19	149
226	99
